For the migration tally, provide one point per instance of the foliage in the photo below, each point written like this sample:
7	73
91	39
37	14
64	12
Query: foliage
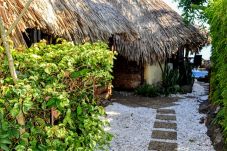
148	90
55	93
170	80
192	10
218	28
169	85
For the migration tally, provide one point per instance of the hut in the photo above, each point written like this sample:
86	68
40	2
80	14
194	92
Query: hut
162	35
144	33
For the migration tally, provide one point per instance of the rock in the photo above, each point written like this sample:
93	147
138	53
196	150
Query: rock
202	120
218	137
204	98
214	130
204	107
104	102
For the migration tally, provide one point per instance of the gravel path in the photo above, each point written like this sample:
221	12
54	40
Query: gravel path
133	126
130	126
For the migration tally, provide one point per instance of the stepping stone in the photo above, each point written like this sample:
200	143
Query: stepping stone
166	111
162	146
166	117
165	125
157	134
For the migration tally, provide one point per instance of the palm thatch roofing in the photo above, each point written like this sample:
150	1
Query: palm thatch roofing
162	31
144	30
75	20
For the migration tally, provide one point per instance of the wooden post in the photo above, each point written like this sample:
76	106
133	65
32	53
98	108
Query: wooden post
20	116
7	51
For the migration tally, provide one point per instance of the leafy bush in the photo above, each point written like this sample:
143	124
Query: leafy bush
55	91
216	13
170	80
148	90
169	85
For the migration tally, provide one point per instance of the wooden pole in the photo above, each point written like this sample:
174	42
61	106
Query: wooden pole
20	116
8	53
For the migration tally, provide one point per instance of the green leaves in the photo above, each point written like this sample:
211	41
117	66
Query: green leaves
53	102
58	77
79	110
77	74
5	137
15	110
192	9
217	18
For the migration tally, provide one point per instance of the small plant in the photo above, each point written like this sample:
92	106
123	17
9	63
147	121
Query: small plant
148	90
170	80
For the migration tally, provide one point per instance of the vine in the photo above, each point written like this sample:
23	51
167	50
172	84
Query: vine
218	29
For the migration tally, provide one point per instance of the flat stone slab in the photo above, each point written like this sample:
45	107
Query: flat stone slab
162	146
157	134
165	125
166	111
166	117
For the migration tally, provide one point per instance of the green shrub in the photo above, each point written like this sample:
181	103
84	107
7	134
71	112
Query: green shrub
148	90
169	85
57	77
217	18
170	81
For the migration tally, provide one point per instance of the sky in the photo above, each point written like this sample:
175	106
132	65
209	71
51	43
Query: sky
206	51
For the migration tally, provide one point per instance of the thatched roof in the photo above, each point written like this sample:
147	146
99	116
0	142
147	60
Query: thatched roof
77	20
159	30
162	31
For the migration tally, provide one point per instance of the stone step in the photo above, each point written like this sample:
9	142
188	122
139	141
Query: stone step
165	125
166	111
162	146
165	121
170	135
166	117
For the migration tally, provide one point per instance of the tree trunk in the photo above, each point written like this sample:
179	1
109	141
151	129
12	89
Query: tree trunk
20	116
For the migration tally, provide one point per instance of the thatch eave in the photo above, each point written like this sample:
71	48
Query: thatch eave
77	20
162	31
144	30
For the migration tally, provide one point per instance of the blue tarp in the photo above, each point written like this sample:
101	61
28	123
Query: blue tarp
199	73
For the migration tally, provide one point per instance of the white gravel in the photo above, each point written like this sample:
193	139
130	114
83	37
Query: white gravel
191	135
132	127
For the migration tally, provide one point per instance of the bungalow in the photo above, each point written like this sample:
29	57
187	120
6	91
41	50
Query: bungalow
144	33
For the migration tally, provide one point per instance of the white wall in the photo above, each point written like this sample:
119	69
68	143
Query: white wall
153	73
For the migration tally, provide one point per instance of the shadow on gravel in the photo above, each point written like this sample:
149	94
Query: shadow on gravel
129	99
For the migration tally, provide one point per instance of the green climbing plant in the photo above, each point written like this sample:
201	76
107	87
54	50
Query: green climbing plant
217	15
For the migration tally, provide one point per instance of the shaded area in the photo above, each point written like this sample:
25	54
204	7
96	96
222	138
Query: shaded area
132	100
